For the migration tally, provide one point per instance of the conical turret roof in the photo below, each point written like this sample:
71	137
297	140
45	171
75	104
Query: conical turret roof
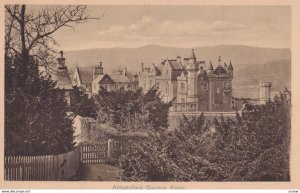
210	66
230	67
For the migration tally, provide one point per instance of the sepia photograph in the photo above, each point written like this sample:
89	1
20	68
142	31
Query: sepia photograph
147	93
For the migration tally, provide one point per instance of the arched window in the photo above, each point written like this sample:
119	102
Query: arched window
167	88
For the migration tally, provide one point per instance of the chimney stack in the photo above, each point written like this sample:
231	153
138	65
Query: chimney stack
178	59
61	61
98	70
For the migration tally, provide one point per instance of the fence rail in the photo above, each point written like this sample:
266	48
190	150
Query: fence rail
39	168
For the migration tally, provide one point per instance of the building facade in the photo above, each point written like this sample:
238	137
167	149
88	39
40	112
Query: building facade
194	85
93	79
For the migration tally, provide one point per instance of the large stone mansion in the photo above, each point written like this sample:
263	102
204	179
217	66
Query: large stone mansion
195	85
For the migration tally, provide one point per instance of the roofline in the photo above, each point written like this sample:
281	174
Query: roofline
78	74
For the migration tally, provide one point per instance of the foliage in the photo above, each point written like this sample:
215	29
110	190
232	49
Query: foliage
133	110
29	31
81	104
36	121
254	146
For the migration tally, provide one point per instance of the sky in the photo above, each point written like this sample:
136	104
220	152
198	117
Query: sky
179	26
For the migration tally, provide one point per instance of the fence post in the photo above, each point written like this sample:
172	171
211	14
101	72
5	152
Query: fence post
109	149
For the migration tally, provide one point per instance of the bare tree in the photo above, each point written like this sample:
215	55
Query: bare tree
30	32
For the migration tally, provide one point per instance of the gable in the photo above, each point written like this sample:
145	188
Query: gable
76	78
106	80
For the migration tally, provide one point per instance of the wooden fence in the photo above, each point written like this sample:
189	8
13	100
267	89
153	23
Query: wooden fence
40	168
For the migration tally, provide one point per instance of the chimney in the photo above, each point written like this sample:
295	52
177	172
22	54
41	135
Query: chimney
178	59
61	61
142	66
98	70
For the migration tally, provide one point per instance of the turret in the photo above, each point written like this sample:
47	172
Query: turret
98	70
230	69
192	74
61	61
264	92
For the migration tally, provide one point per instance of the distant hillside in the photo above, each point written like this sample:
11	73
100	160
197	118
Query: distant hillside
251	64
247	77
132	57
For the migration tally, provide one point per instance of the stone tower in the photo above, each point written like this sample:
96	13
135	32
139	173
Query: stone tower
264	92
98	70
192	73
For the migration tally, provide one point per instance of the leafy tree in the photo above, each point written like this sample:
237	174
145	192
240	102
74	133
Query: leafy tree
254	146
36	120
81	104
122	107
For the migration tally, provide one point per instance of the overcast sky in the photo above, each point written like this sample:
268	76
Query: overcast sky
180	26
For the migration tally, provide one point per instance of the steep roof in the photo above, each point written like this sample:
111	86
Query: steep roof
62	79
86	74
119	78
220	70
175	65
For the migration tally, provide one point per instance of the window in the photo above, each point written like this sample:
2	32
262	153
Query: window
205	86
182	100
224	84
116	86
135	86
182	86
106	87
218	90
167	72
167	88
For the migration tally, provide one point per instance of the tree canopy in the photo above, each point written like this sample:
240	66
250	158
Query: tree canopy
254	146
36	118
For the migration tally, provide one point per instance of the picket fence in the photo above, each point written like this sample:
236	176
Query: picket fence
39	168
